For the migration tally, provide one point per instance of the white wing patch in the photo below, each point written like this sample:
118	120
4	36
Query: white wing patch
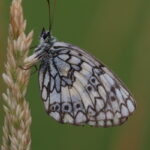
77	89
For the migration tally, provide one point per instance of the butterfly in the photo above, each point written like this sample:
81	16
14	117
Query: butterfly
78	89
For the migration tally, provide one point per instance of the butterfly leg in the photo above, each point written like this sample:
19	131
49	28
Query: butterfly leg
36	68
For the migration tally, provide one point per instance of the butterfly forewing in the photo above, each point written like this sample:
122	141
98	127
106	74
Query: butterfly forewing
78	89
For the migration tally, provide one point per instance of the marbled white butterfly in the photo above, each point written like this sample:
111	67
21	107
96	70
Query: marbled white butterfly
78	89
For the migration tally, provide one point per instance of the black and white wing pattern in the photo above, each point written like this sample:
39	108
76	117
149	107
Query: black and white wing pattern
78	89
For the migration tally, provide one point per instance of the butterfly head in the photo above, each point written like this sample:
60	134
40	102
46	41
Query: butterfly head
46	37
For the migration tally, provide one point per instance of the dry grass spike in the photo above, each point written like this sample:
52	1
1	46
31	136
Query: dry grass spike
17	121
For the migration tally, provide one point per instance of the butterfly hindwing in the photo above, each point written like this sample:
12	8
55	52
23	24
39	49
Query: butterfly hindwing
78	89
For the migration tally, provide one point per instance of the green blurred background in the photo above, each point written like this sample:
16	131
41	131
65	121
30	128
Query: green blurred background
118	33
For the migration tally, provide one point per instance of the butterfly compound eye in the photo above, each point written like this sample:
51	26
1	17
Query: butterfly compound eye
44	36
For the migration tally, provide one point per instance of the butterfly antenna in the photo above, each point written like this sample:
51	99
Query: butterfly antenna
49	13
54	8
